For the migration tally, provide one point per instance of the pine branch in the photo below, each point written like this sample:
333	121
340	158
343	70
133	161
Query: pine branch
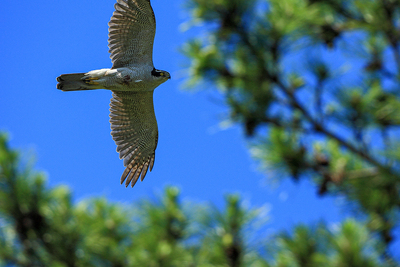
318	127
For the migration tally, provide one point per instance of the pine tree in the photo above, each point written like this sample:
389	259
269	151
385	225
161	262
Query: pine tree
315	85
42	226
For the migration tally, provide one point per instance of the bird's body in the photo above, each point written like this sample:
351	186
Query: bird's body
132	79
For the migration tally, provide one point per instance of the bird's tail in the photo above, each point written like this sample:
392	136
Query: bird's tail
75	82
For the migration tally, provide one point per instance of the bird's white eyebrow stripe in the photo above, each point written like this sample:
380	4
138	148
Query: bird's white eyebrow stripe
138	81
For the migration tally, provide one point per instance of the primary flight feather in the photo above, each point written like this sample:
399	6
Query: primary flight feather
132	80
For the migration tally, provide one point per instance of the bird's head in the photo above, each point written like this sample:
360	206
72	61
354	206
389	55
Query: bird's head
161	74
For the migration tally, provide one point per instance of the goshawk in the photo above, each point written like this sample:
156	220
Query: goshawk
132	80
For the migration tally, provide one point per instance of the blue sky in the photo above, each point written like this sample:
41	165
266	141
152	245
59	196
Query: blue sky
70	133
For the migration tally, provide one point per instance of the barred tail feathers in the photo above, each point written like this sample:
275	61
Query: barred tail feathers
70	77
80	81
72	82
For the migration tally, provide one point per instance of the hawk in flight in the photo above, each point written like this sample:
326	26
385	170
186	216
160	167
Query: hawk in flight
132	80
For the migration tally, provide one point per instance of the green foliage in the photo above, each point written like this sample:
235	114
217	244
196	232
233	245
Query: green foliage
347	245
282	151
44	227
273	63
225	234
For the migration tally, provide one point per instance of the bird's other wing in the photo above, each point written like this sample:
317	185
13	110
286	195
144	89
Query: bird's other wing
134	130
131	33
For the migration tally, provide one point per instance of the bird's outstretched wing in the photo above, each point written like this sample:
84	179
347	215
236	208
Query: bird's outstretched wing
134	130
131	33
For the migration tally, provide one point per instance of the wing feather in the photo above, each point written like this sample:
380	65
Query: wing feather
131	33
134	130
145	168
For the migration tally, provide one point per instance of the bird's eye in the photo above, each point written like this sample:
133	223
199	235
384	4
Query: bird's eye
157	73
